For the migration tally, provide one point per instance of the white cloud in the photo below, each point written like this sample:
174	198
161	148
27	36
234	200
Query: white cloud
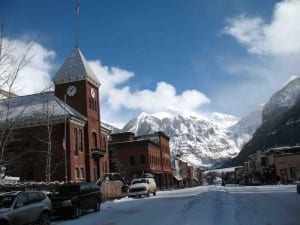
274	56
279	37
110	77
35	76
119	96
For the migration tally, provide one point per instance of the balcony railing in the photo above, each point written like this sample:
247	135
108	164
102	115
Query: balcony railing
98	152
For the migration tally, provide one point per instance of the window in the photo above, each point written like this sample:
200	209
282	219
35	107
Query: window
76	173
142	159
90	103
103	143
75	136
94	139
80	140
93	104
82	173
35	196
131	160
22	200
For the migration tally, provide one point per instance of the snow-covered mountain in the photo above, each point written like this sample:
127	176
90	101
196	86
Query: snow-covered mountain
243	131
209	141
280	123
282	100
202	141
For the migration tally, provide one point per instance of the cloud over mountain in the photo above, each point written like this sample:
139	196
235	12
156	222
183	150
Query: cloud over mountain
279	37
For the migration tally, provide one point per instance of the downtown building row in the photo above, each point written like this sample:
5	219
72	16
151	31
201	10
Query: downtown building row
58	136
275	165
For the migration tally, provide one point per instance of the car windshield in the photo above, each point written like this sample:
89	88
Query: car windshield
140	181
6	201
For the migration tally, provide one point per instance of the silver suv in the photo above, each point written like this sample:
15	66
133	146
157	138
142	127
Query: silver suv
25	207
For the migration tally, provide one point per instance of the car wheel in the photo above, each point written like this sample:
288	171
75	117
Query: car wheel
97	206
298	189
76	212
148	194
44	219
154	193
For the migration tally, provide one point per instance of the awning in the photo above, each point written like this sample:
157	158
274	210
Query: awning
177	177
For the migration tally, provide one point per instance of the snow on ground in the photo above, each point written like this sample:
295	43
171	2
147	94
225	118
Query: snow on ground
205	205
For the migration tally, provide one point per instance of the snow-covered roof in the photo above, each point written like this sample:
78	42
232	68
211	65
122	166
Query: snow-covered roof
35	109
5	94
75	68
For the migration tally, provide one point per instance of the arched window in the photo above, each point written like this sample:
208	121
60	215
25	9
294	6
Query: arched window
94	139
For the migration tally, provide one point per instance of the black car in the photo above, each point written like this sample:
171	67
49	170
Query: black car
25	207
72	199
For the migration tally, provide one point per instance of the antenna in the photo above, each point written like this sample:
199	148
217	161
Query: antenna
76	23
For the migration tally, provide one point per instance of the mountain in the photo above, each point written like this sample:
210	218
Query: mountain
208	142
281	123
282	100
242	131
202	141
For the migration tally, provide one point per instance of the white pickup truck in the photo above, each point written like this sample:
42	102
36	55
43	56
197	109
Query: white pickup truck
142	186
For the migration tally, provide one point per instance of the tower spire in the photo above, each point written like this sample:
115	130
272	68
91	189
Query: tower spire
76	23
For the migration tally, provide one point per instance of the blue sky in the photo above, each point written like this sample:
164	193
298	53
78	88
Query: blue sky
202	56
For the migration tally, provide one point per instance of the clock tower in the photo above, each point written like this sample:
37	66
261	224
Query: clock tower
77	85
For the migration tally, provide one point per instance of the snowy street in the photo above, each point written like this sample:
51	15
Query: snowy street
205	205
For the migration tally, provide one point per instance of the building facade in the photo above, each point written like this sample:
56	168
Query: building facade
285	162
135	156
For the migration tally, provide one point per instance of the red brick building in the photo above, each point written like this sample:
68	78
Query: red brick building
136	155
286	163
36	127
183	167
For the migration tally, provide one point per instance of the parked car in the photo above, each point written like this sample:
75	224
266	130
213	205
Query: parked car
25	207
142	186
72	199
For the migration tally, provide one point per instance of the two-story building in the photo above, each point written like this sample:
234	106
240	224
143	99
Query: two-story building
137	155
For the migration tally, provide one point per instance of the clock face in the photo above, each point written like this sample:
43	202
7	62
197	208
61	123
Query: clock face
71	90
93	92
